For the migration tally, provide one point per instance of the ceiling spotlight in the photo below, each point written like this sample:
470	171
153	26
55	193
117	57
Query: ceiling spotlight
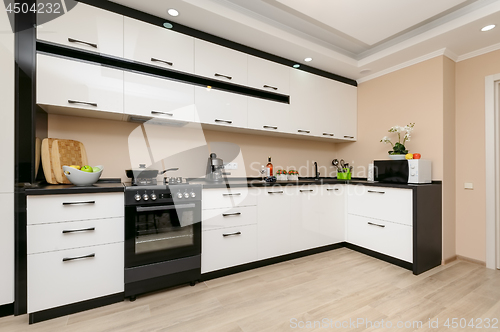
296	65
308	59
168	25
488	27
173	12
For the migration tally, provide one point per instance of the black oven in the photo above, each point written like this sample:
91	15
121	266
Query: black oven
162	237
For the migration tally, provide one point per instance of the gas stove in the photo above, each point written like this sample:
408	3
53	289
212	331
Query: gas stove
161	193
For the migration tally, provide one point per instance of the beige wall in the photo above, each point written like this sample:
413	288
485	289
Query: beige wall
470	96
117	145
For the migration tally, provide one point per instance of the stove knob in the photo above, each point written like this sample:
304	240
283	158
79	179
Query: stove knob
186	195
137	197
179	195
193	194
153	197
145	197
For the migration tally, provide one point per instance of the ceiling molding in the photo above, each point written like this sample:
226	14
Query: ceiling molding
475	53
451	55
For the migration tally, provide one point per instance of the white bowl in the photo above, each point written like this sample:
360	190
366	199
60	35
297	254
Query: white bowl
397	156
81	178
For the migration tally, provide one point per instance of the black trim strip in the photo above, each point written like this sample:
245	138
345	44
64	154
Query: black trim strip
137	67
7	310
385	258
158	21
69	309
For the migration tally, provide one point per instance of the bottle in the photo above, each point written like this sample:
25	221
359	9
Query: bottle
269	168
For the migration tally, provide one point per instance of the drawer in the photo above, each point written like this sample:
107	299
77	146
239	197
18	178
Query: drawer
229	217
57	208
382	203
388	238
224	197
74	234
53	282
228	247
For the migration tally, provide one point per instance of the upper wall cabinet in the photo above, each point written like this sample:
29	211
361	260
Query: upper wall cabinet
345	100
268	76
221	108
93	89
218	62
88	28
158	46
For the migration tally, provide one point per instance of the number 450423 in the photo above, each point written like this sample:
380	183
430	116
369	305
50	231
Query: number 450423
40	8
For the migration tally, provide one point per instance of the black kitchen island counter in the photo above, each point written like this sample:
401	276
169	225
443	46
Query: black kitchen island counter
62	189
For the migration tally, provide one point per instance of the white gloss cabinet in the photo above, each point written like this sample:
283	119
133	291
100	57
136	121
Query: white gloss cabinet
221	108
86	27
305	217
7	247
333	200
345	105
154	45
268	76
156	97
269	115
68	84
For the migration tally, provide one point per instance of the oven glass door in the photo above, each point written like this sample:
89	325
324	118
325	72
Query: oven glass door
162	232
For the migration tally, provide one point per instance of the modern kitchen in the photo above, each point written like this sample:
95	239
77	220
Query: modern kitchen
250	166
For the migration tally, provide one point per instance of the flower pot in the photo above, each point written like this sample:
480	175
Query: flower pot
397	156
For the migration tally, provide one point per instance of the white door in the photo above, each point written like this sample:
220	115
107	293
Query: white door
305	217
268	76
332	214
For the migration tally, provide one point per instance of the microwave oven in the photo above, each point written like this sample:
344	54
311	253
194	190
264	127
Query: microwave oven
403	171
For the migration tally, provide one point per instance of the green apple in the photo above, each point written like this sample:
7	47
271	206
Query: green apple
96	169
86	168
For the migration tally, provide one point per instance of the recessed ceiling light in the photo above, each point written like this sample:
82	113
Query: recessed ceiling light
488	27
168	25
365	71
308	59
173	12
296	65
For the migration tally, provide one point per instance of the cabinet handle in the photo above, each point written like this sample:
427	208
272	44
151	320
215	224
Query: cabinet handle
67	259
275	192
376	192
304	190
231	234
225	121
231	214
348	136
225	76
329	189
370	223
270	87
78	203
162	61
235	194
270	127
71	40
162	113
328	134
81	102
304	131
79	230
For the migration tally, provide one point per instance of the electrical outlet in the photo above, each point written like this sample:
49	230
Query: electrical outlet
468	185
231	166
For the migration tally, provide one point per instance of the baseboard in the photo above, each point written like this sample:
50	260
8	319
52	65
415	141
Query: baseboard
6	310
471	260
449	260
385	258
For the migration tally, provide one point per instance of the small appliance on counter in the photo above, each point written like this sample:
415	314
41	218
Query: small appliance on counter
215	168
415	171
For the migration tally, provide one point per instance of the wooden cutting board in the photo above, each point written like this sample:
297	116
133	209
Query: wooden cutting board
65	152
46	160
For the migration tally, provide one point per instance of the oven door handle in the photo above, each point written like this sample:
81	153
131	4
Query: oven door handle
165	207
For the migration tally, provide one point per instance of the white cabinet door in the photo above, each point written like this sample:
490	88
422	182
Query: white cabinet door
74	84
229	217
305	217
332	214
344	99
269	115
7	248
86	27
273	221
268	76
158	97
218	62
221	108
158	46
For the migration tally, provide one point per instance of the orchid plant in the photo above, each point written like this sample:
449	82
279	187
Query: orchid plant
399	147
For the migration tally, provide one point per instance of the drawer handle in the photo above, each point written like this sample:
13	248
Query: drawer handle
270	87
231	214
67	259
376	192
162	61
235	194
78	203
162	113
231	234
225	121
332	189
81	102
304	131
304	190
225	76
328	134
270	127
345	136
71	40
275	192
373	224
79	230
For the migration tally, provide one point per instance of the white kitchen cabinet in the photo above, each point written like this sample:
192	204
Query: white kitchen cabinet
216	198
229	217
154	45
219	62
156	97
269	115
85	27
221	108
268	76
273	221
343	98
63	83
7	247
332	214
305	217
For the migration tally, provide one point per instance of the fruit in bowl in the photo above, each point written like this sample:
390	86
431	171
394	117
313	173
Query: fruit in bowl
85	176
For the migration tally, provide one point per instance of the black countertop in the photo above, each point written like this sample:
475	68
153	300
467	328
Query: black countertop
62	189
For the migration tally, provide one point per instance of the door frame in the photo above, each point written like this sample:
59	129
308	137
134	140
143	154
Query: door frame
492	172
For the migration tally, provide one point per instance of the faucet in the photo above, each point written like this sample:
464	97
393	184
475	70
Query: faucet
316	173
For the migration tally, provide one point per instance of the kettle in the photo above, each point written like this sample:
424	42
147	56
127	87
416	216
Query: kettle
214	168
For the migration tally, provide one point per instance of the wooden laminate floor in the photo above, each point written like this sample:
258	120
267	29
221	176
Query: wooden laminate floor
335	288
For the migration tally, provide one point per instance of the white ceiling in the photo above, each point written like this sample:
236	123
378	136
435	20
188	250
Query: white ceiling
344	37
